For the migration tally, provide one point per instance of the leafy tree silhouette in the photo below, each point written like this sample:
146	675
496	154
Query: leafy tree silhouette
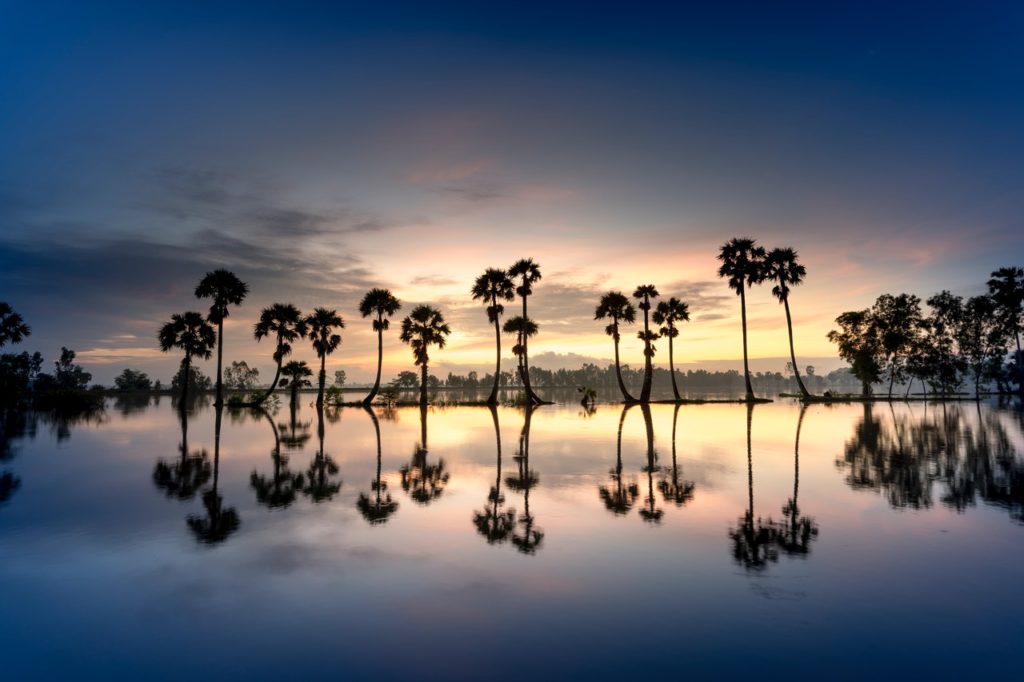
193	335
615	306
742	265
782	267
492	287
226	290
382	304
284	322
528	273
422	328
321	325
644	293
669	314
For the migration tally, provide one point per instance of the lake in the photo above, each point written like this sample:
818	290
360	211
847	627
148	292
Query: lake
463	543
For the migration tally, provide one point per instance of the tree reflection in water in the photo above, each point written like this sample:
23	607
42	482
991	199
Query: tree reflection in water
379	508
425	482
14	425
320	483
493	522
619	497
526	537
182	477
278	490
219	522
753	545
672	488
795	533
650	512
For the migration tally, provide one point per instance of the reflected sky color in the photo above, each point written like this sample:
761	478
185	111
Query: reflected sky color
93	555
320	149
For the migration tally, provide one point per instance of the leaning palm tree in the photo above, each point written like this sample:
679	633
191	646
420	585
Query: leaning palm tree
191	333
742	262
284	321
12	327
422	328
297	373
644	293
781	267
523	328
382	304
491	287
615	306
528	273
322	323
225	289
668	314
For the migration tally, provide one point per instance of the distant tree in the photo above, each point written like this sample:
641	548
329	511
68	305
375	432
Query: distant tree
17	374
644	293
12	327
742	265
296	374
421	329
859	345
132	380
528	273
615	306
897	324
240	376
67	375
382	304
406	379
941	352
196	380
226	290
340	377
322	324
285	322
782	268
492	287
669	314
1006	287
982	338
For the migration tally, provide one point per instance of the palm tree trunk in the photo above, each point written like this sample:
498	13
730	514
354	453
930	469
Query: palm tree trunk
423	385
672	371
423	426
277	376
1020	364
186	365
618	372
746	363
645	389
792	352
526	363
750	465
380	363
493	399
323	381
892	374
220	358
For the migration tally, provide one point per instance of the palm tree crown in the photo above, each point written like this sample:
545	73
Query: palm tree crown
12	327
523	328
781	266
321	324
382	304
189	332
528	273
225	289
491	287
741	263
422	328
668	314
617	306
284	321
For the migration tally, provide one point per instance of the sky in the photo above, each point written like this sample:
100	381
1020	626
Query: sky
321	149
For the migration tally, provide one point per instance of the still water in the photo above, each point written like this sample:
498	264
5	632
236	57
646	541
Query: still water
460	543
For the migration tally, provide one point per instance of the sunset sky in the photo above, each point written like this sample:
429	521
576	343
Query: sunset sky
319	149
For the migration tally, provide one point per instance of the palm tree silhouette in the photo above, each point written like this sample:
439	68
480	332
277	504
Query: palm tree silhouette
781	267
491	287
650	512
523	328
1006	287
382	304
321	325
423	481
422	328
673	489
219	522
285	322
528	273
742	264
226	290
297	373
617	307
184	477
795	534
378	510
191	333
668	314
644	293
753	541
319	483
279	490
493	523
12	327
529	538
620	498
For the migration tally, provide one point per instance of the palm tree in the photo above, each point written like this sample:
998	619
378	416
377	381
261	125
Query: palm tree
742	264
620	498
493	523
668	314
528	273
523	328
382	304
219	522
644	293
322	323
1006	287
284	321
491	287
650	513
378	510
616	306
422	328
679	492
297	373
781	267
225	289
191	333
12	328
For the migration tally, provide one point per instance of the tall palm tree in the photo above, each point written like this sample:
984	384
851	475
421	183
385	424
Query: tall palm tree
644	293
382	304
491	287
1006	287
620	498
782	267
615	306
422	328
12	327
219	522
297	373
191	333
742	265
226	290
322	323
668	314
285	322
523	328
528	273
494	523
378	510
